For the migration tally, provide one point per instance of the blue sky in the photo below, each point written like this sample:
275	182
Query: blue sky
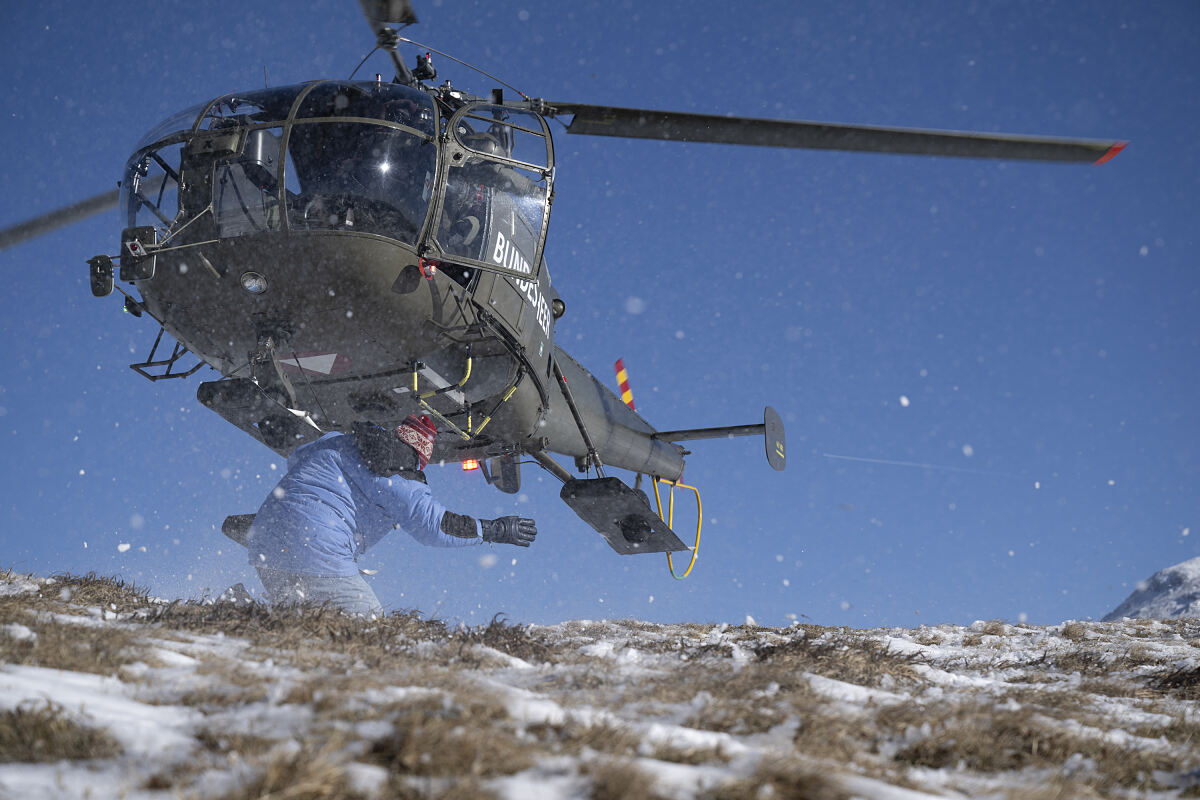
1019	340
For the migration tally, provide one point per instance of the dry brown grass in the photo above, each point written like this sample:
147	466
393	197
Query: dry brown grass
42	732
1181	730
1118	686
66	593
1056	788
1088	661
991	633
406	787
513	640
1187	628
734	695
67	646
725	699
213	697
216	683
112	593
244	745
1182	683
472	739
852	659
311	636
1099	664
307	773
307	692
739	715
741	680
995	740
584	682
985	739
836	738
574	738
15	608
1075	632
779	778
620	780
741	699
679	753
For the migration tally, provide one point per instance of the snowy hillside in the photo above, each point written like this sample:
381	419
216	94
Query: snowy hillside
1171	593
107	693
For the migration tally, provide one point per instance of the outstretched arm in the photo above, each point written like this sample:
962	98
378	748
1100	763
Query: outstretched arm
411	506
505	530
431	524
460	526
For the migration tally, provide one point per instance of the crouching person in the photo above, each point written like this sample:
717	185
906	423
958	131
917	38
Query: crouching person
341	495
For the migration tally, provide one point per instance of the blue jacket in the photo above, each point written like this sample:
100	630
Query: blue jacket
330	507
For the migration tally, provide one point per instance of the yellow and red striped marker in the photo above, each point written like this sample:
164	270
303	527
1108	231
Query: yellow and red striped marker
623	382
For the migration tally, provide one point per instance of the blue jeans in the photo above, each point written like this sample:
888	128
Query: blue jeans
349	593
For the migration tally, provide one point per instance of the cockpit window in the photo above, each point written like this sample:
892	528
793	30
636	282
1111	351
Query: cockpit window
351	156
377	101
150	189
265	105
361	177
176	125
497	191
506	133
245	199
493	213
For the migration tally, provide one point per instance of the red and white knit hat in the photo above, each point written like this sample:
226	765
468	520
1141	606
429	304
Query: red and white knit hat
418	431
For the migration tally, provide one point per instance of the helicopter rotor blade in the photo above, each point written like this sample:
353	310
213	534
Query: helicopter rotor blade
685	127
59	218
381	13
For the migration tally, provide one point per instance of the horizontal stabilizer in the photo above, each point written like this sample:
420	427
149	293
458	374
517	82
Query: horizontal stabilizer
621	515
771	430
774	439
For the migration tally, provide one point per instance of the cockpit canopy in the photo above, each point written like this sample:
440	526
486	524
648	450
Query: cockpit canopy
359	157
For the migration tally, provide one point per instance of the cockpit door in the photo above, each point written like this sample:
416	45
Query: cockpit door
494	191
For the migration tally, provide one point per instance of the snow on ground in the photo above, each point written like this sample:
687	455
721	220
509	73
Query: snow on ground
1170	593
105	692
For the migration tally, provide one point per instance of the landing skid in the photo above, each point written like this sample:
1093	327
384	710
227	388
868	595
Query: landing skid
621	515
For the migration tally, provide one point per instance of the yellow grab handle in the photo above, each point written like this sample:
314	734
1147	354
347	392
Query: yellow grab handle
670	518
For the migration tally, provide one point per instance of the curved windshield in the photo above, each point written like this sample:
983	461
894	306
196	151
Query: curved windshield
493	213
150	189
497	190
264	105
332	154
381	101
177	124
245	188
359	176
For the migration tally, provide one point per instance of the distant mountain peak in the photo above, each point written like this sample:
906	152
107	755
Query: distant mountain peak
1170	593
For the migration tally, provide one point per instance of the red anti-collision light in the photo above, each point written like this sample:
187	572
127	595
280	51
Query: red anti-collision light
469	464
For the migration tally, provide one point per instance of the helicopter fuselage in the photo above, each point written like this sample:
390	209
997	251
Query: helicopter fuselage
346	251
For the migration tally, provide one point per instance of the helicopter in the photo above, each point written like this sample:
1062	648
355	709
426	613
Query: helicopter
343	251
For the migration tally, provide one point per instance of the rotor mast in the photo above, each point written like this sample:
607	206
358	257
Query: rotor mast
382	13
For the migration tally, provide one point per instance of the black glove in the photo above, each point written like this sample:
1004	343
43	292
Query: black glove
509	530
